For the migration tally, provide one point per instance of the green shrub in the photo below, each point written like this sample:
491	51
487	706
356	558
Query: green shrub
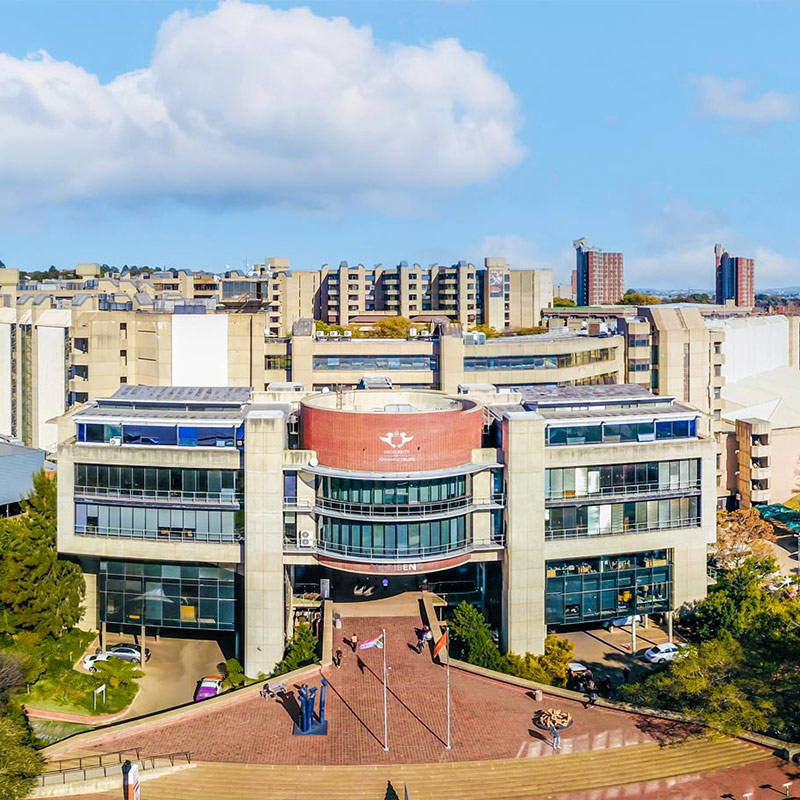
300	650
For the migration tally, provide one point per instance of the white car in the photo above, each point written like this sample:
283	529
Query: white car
661	653
90	661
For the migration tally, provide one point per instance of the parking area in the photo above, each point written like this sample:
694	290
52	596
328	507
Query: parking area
608	651
171	674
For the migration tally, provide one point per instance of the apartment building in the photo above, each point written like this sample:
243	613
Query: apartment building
598	275
734	278
236	512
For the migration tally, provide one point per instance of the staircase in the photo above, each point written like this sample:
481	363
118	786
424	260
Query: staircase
514	779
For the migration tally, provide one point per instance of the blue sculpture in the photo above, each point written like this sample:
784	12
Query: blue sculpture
306	725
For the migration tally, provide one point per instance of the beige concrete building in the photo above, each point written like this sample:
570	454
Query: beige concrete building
236	513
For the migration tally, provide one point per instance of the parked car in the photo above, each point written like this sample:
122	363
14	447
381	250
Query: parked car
210	686
124	652
621	622
661	653
129	652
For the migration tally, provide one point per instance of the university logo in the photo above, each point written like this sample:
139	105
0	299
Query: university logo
396	440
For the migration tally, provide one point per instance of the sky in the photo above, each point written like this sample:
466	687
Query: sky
210	136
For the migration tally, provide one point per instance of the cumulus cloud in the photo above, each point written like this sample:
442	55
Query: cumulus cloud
258	105
522	253
732	98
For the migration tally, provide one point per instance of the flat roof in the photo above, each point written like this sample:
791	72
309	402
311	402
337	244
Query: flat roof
183	394
612	392
388	401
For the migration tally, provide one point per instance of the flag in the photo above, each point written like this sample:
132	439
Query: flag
437	648
376	642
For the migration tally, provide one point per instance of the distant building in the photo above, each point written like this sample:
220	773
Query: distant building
18	465
735	278
599	275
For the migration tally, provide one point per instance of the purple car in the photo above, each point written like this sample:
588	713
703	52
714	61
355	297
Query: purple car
210	686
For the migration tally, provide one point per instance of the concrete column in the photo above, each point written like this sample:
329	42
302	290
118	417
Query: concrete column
524	628
263	545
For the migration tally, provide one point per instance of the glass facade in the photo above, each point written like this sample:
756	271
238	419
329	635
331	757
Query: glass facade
163	435
158	524
167	595
374	541
357	362
593	589
571	522
223	485
616	433
649	476
555	361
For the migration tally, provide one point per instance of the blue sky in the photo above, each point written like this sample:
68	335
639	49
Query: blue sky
379	132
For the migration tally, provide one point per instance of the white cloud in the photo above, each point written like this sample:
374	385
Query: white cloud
678	244
732	98
258	105
522	253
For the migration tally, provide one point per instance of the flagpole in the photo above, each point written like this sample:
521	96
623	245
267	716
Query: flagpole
448	692
385	712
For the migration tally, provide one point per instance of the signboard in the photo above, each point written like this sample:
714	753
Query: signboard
496	283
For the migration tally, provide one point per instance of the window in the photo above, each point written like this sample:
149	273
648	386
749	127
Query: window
374	362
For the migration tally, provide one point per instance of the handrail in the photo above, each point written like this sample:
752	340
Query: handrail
625	489
407	509
98	756
161	535
228	497
636	527
46	777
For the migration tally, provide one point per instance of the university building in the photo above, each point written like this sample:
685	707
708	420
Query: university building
232	511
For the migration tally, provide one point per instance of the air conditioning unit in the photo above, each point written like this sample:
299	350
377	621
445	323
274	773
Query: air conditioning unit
116	441
412	333
306	539
348	334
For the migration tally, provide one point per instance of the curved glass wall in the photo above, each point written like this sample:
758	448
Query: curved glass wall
393	498
377	541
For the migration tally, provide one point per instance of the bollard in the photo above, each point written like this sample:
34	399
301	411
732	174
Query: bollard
538	695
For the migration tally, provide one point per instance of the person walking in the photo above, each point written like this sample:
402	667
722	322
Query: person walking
626	675
354	642
420	641
428	636
606	687
556	738
591	690
337	658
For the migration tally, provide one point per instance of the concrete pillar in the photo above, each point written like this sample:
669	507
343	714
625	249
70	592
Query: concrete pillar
263	544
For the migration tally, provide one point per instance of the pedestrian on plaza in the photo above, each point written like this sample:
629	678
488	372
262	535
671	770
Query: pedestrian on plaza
606	686
428	636
354	642
591	690
588	675
337	659
626	675
556	738
420	641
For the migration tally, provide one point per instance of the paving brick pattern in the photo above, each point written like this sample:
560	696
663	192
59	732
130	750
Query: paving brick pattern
489	720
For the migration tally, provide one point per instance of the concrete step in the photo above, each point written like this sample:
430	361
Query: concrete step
490	780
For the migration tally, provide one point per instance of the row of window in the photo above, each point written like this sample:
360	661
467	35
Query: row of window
402	540
613	433
163	435
160	524
392	493
581	590
167	595
224	484
356	362
649	476
617	518
559	361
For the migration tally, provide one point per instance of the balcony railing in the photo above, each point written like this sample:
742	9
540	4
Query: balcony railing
346	508
229	498
161	535
635	527
353	553
623	491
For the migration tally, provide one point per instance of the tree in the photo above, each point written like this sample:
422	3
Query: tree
694	297
549	668
708	682
741	534
473	641
563	302
535	330
39	592
391	328
118	673
300	651
632	298
487	330
19	762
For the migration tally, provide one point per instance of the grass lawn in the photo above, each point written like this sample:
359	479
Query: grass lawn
47	732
